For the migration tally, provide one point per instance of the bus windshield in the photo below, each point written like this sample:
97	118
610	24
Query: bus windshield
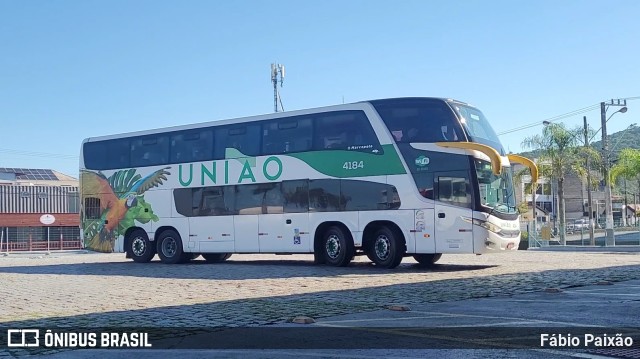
477	127
496	192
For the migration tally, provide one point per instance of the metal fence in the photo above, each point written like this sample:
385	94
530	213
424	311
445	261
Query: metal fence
14	239
546	235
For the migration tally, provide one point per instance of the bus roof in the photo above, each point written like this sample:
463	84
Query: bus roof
263	117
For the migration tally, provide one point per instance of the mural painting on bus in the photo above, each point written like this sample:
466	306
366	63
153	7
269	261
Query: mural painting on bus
121	203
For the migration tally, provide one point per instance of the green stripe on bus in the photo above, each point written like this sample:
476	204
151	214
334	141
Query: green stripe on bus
342	164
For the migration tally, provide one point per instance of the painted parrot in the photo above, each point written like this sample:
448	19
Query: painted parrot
117	195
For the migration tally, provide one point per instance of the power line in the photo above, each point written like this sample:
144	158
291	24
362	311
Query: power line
563	116
552	119
38	154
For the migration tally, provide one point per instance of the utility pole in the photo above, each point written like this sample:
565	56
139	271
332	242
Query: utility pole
592	240
624	211
608	207
277	69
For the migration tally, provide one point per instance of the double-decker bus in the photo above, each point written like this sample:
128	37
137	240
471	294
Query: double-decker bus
385	178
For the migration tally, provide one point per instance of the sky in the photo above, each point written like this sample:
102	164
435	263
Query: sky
76	69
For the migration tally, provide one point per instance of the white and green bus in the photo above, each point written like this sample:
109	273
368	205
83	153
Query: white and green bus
385	178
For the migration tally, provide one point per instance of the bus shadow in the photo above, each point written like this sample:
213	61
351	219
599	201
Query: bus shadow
231	270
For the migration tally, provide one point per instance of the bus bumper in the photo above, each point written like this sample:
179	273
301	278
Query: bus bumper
489	242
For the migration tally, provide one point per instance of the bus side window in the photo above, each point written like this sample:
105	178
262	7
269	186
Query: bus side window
336	141
346	130
246	139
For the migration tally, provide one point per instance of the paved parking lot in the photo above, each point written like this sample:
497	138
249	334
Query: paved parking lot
108	290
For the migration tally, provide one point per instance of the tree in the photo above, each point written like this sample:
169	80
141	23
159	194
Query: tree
559	155
627	166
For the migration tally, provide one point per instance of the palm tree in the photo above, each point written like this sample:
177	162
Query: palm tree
627	166
559	154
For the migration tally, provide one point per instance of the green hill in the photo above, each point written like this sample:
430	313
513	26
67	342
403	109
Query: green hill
627	138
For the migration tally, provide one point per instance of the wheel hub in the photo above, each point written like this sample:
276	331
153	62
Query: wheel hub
138	246
169	247
333	246
382	247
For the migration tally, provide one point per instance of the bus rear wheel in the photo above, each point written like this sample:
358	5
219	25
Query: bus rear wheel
139	248
170	247
428	259
216	257
387	248
337	247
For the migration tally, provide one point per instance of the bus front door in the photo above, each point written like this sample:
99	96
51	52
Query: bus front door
453	226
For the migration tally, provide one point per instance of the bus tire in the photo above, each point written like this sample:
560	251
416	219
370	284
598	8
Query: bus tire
388	248
427	260
337	247
139	248
170	247
216	257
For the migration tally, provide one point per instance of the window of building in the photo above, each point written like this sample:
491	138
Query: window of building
73	202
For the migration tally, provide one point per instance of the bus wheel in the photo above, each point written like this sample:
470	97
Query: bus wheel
139	248
388	248
427	260
337	247
216	257
170	247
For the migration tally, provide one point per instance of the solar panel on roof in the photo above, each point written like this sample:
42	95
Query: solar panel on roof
31	173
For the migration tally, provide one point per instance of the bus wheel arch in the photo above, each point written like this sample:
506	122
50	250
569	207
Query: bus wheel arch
137	245
384	243
333	244
169	245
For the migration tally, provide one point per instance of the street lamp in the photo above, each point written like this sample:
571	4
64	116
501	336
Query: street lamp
610	236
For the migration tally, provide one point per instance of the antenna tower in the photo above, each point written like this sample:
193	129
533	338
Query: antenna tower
277	70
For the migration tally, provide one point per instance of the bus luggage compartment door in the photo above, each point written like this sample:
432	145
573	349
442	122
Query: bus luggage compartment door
214	234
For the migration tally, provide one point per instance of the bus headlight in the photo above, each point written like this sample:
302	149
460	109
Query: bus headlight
487	225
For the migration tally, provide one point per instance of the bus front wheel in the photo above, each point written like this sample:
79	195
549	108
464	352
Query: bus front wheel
337	247
139	248
428	259
387	248
170	247
216	257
